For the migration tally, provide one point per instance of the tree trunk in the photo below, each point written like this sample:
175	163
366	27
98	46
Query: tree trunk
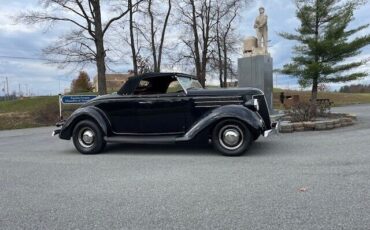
100	51
317	74
314	97
196	43
203	71
132	39
225	66
101	69
163	36
219	54
152	36
220	70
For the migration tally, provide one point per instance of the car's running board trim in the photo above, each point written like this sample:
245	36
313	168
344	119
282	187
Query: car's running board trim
142	140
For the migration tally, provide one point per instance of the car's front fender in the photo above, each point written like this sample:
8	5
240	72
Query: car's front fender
239	112
83	113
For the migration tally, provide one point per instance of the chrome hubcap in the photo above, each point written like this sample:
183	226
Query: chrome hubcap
231	137
86	137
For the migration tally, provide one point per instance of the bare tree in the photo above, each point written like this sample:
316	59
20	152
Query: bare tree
85	43
199	19
227	12
212	24
132	38
147	30
156	47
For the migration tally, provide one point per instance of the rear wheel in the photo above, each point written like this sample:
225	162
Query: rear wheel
88	137
231	137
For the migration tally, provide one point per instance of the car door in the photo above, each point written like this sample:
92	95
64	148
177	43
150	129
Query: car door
122	114
163	114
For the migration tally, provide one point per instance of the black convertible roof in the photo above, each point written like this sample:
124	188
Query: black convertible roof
132	82
146	75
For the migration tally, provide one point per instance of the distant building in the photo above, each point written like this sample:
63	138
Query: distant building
114	81
67	91
232	83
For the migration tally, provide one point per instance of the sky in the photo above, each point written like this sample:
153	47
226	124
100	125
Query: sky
32	74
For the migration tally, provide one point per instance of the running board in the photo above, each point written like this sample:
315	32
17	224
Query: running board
142	140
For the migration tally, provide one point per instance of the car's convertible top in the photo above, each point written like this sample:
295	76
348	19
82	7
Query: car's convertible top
132	82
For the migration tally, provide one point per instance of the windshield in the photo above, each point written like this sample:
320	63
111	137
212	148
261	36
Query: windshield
189	83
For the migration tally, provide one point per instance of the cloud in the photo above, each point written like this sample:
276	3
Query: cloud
28	41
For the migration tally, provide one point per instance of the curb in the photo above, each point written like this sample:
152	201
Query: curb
290	127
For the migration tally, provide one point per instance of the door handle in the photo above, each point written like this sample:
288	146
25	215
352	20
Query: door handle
145	102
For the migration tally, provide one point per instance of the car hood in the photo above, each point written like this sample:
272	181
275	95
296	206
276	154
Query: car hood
102	97
225	92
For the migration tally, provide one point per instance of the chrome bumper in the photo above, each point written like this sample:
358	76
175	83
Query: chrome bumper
56	132
275	126
58	125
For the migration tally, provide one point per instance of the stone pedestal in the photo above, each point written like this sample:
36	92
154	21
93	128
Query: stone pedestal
256	71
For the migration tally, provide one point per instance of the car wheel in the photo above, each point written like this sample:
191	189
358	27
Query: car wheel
88	137
231	138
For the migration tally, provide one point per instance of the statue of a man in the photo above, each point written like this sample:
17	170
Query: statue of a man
261	27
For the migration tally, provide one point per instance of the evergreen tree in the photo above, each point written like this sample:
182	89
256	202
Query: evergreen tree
81	83
325	43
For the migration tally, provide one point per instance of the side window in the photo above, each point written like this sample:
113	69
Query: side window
174	87
158	85
143	88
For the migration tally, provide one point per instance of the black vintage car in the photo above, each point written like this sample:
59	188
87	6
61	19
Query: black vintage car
162	108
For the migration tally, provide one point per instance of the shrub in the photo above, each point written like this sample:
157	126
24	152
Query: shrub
301	112
324	108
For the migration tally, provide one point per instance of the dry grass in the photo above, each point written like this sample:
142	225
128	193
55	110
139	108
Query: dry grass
16	120
30	112
339	99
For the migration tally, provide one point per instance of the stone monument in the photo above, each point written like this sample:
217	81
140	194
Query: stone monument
255	68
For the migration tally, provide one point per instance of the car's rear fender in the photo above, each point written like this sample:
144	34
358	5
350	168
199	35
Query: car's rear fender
85	113
238	112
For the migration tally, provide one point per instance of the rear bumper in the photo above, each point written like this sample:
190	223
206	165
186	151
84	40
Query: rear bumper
56	132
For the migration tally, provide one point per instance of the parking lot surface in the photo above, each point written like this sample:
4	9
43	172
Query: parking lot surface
308	180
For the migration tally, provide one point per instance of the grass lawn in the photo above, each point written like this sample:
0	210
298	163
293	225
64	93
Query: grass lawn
27	104
41	111
29	112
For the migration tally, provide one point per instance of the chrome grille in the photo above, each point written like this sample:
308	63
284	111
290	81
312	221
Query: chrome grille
263	111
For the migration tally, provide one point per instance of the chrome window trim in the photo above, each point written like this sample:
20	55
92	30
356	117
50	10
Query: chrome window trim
185	90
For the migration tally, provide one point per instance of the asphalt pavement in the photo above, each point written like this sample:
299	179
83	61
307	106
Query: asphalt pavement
309	180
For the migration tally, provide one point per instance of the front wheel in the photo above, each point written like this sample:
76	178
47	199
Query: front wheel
88	137
231	137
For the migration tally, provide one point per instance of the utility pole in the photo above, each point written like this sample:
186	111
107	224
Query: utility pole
276	81
7	86
3	88
19	89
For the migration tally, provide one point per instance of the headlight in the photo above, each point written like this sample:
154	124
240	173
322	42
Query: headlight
253	104
256	104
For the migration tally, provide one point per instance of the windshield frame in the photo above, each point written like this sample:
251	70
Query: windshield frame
191	79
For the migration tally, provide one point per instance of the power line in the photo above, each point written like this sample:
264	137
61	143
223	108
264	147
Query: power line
24	58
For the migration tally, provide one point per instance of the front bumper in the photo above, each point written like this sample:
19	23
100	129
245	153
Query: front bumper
274	125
